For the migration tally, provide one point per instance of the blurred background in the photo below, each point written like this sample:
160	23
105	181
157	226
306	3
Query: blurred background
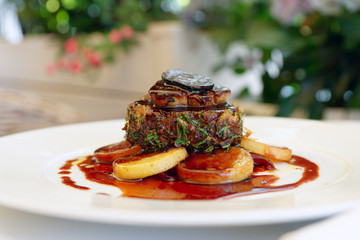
66	61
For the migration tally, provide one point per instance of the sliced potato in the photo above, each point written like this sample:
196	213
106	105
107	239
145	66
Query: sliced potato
110	153
221	167
271	152
145	165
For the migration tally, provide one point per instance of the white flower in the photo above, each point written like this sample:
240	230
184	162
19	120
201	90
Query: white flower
334	7
351	5
327	7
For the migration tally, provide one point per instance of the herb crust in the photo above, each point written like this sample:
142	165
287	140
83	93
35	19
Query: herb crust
203	130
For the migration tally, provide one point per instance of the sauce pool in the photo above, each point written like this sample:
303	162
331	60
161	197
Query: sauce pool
168	186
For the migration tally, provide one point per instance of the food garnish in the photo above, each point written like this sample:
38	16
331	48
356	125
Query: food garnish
183	140
186	80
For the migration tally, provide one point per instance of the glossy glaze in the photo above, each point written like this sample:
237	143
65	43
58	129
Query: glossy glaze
168	186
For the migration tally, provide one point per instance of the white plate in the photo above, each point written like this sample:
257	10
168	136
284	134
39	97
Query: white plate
29	181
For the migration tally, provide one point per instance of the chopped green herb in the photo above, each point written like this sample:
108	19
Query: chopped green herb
227	146
139	119
182	132
209	149
204	131
199	143
134	135
201	120
222	132
153	139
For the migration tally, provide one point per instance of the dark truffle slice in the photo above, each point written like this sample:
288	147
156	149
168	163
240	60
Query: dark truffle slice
187	80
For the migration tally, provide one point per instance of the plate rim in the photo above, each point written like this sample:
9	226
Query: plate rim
322	211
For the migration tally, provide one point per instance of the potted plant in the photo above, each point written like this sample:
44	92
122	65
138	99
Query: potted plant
309	49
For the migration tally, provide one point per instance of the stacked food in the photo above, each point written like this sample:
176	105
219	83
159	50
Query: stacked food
184	110
185	124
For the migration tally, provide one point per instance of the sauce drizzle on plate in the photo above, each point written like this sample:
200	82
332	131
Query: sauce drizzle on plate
168	186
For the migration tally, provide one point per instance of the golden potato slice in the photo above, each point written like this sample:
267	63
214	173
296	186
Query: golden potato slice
145	165
271	152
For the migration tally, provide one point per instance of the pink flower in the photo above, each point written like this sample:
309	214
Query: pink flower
63	63
127	32
286	10
115	36
71	46
50	68
76	66
93	58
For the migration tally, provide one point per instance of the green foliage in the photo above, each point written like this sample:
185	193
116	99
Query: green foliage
68	17
90	31
320	53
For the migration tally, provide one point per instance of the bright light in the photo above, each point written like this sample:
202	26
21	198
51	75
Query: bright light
69	4
183	3
174	6
287	91
348	94
52	5
323	95
62	16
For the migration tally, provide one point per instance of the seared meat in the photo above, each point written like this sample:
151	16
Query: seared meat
184	109
165	95
202	129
